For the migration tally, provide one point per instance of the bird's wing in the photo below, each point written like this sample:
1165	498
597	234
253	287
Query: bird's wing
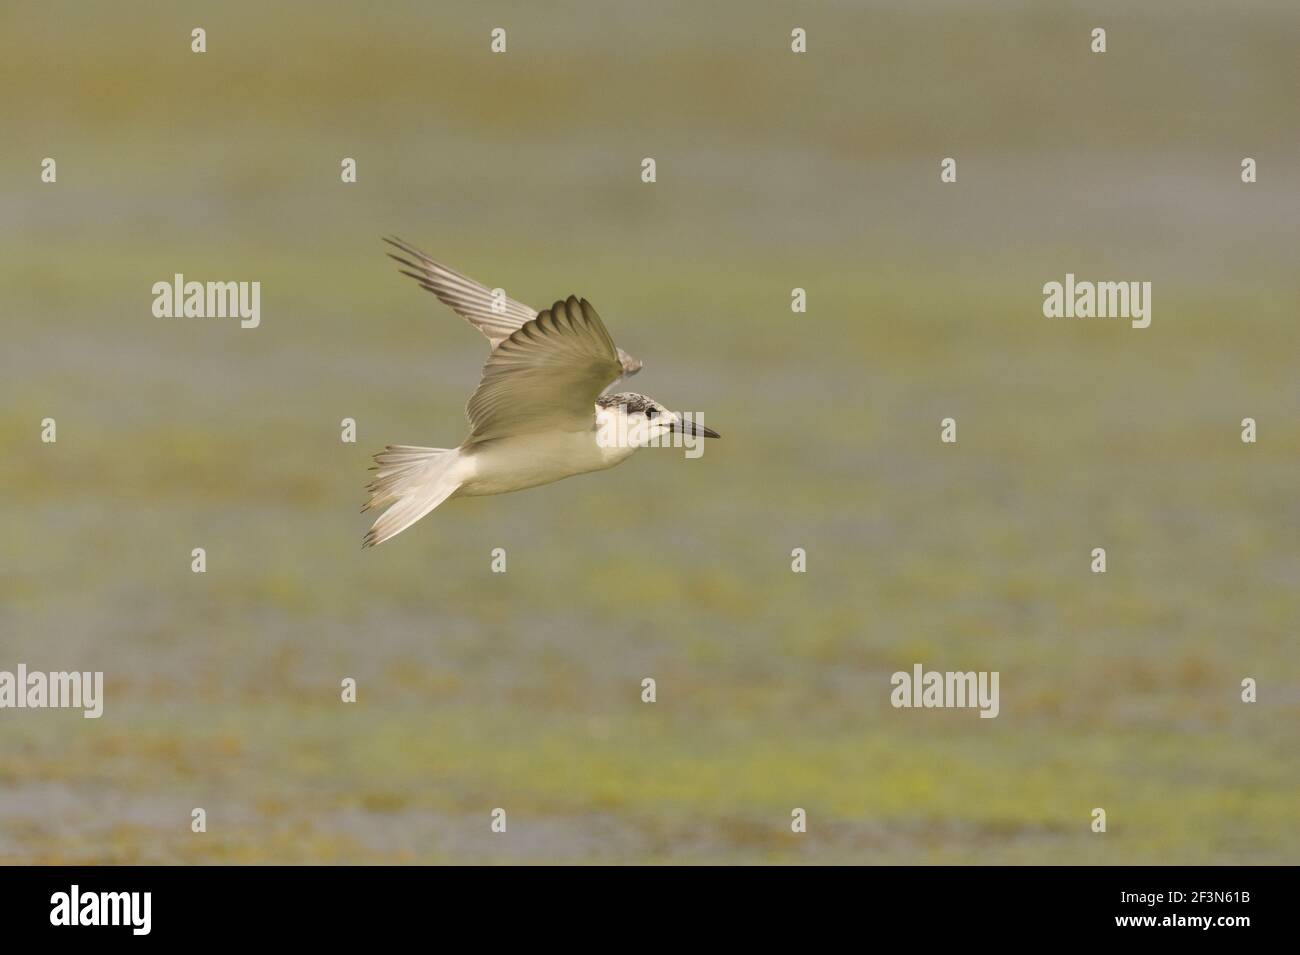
497	318
546	375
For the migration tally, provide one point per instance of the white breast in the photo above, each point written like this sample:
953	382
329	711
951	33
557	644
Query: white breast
527	460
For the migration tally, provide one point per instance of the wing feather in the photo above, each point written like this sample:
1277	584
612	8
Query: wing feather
496	318
546	375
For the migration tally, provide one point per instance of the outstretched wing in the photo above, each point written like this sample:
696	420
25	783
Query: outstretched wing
546	375
496	317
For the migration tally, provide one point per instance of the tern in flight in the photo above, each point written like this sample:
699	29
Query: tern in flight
539	413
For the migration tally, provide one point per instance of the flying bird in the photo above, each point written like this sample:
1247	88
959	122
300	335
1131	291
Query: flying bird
540	412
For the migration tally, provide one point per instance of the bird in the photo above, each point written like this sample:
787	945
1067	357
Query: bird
542	410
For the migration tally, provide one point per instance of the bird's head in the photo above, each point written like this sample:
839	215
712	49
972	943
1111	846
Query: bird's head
645	421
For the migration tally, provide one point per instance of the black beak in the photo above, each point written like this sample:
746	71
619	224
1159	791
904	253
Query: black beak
688	426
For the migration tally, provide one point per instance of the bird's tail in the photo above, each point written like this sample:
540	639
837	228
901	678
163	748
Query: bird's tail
413	481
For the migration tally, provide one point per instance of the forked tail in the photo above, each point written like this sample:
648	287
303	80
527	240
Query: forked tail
413	481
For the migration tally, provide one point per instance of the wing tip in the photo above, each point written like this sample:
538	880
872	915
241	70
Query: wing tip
398	242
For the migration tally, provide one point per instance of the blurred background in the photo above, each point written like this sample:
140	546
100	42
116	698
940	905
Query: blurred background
775	171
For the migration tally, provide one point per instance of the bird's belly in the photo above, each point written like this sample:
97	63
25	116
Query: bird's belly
518	462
